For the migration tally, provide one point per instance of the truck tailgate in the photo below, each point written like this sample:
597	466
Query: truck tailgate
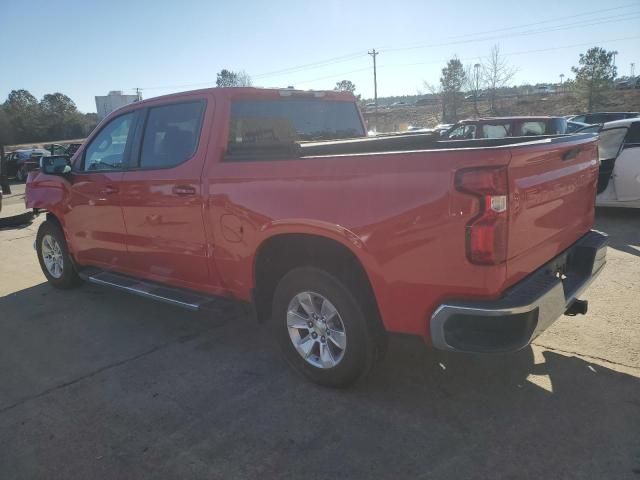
552	188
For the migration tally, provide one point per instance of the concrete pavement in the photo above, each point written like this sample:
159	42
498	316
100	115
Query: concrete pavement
98	384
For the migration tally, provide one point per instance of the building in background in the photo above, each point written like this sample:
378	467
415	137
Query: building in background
113	100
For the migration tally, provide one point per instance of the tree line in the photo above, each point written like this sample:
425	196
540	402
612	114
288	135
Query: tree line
594	74
24	119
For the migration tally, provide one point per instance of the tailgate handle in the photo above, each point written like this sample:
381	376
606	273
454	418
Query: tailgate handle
571	154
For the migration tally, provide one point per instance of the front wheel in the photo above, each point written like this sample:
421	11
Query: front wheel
53	256
321	328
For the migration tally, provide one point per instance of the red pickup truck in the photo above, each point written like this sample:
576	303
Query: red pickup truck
278	198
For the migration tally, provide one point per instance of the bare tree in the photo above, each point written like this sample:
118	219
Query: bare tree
472	83
496	73
436	91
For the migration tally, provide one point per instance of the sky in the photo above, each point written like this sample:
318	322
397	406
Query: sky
85	48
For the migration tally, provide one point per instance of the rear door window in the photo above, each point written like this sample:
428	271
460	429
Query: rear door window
171	134
256	123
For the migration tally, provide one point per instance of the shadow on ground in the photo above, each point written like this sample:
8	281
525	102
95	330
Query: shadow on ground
623	227
98	384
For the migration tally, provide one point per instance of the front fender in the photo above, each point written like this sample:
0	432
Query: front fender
47	192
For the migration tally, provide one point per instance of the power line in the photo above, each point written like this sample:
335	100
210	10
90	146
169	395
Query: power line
555	28
351	56
434	62
515	27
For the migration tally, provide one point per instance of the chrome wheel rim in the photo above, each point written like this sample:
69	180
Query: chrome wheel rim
316	330
52	256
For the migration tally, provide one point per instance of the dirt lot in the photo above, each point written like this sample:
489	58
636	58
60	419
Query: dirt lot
98	384
394	119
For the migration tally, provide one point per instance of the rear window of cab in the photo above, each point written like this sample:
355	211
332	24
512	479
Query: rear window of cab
255	123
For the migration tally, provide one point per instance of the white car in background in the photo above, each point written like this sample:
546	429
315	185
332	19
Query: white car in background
619	152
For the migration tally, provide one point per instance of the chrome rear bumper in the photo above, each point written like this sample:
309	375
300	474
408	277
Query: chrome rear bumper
527	308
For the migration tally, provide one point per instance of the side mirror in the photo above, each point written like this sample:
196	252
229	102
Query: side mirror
55	165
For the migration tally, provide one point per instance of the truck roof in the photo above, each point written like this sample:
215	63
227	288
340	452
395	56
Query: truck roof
262	93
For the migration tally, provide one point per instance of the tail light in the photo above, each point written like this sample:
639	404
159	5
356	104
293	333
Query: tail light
486	234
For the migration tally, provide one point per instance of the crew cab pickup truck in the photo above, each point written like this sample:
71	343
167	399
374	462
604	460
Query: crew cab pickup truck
277	198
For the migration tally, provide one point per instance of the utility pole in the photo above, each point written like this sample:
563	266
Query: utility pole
633	69
561	83
374	54
138	94
476	69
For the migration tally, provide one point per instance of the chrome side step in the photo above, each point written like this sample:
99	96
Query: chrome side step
173	296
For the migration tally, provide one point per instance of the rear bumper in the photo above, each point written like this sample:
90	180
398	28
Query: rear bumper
526	309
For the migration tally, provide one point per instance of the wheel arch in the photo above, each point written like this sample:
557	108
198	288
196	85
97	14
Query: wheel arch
336	250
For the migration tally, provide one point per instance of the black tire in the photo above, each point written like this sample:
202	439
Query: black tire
360	348
69	277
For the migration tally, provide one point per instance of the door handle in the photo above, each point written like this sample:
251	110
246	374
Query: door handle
571	154
109	190
184	190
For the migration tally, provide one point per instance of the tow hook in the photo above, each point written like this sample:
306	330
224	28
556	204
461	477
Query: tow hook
577	307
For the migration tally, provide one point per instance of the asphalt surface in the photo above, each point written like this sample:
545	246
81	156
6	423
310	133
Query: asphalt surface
98	384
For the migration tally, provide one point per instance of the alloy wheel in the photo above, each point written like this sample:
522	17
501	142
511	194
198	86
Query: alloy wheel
316	330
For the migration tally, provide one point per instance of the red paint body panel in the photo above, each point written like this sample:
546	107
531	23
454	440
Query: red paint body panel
399	213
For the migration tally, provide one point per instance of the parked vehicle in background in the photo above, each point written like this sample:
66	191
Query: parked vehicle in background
442	128
619	153
63	149
418	129
544	90
602	117
20	162
277	198
573	127
501	127
471	97
625	84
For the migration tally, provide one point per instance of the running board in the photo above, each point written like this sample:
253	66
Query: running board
173	296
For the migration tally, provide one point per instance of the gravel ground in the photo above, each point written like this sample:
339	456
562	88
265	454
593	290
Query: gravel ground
98	384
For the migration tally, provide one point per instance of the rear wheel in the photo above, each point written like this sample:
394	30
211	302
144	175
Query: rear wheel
53	256
321	328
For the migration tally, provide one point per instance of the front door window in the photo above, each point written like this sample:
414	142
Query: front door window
107	150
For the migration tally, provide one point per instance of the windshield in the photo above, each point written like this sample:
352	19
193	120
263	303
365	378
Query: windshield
284	121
